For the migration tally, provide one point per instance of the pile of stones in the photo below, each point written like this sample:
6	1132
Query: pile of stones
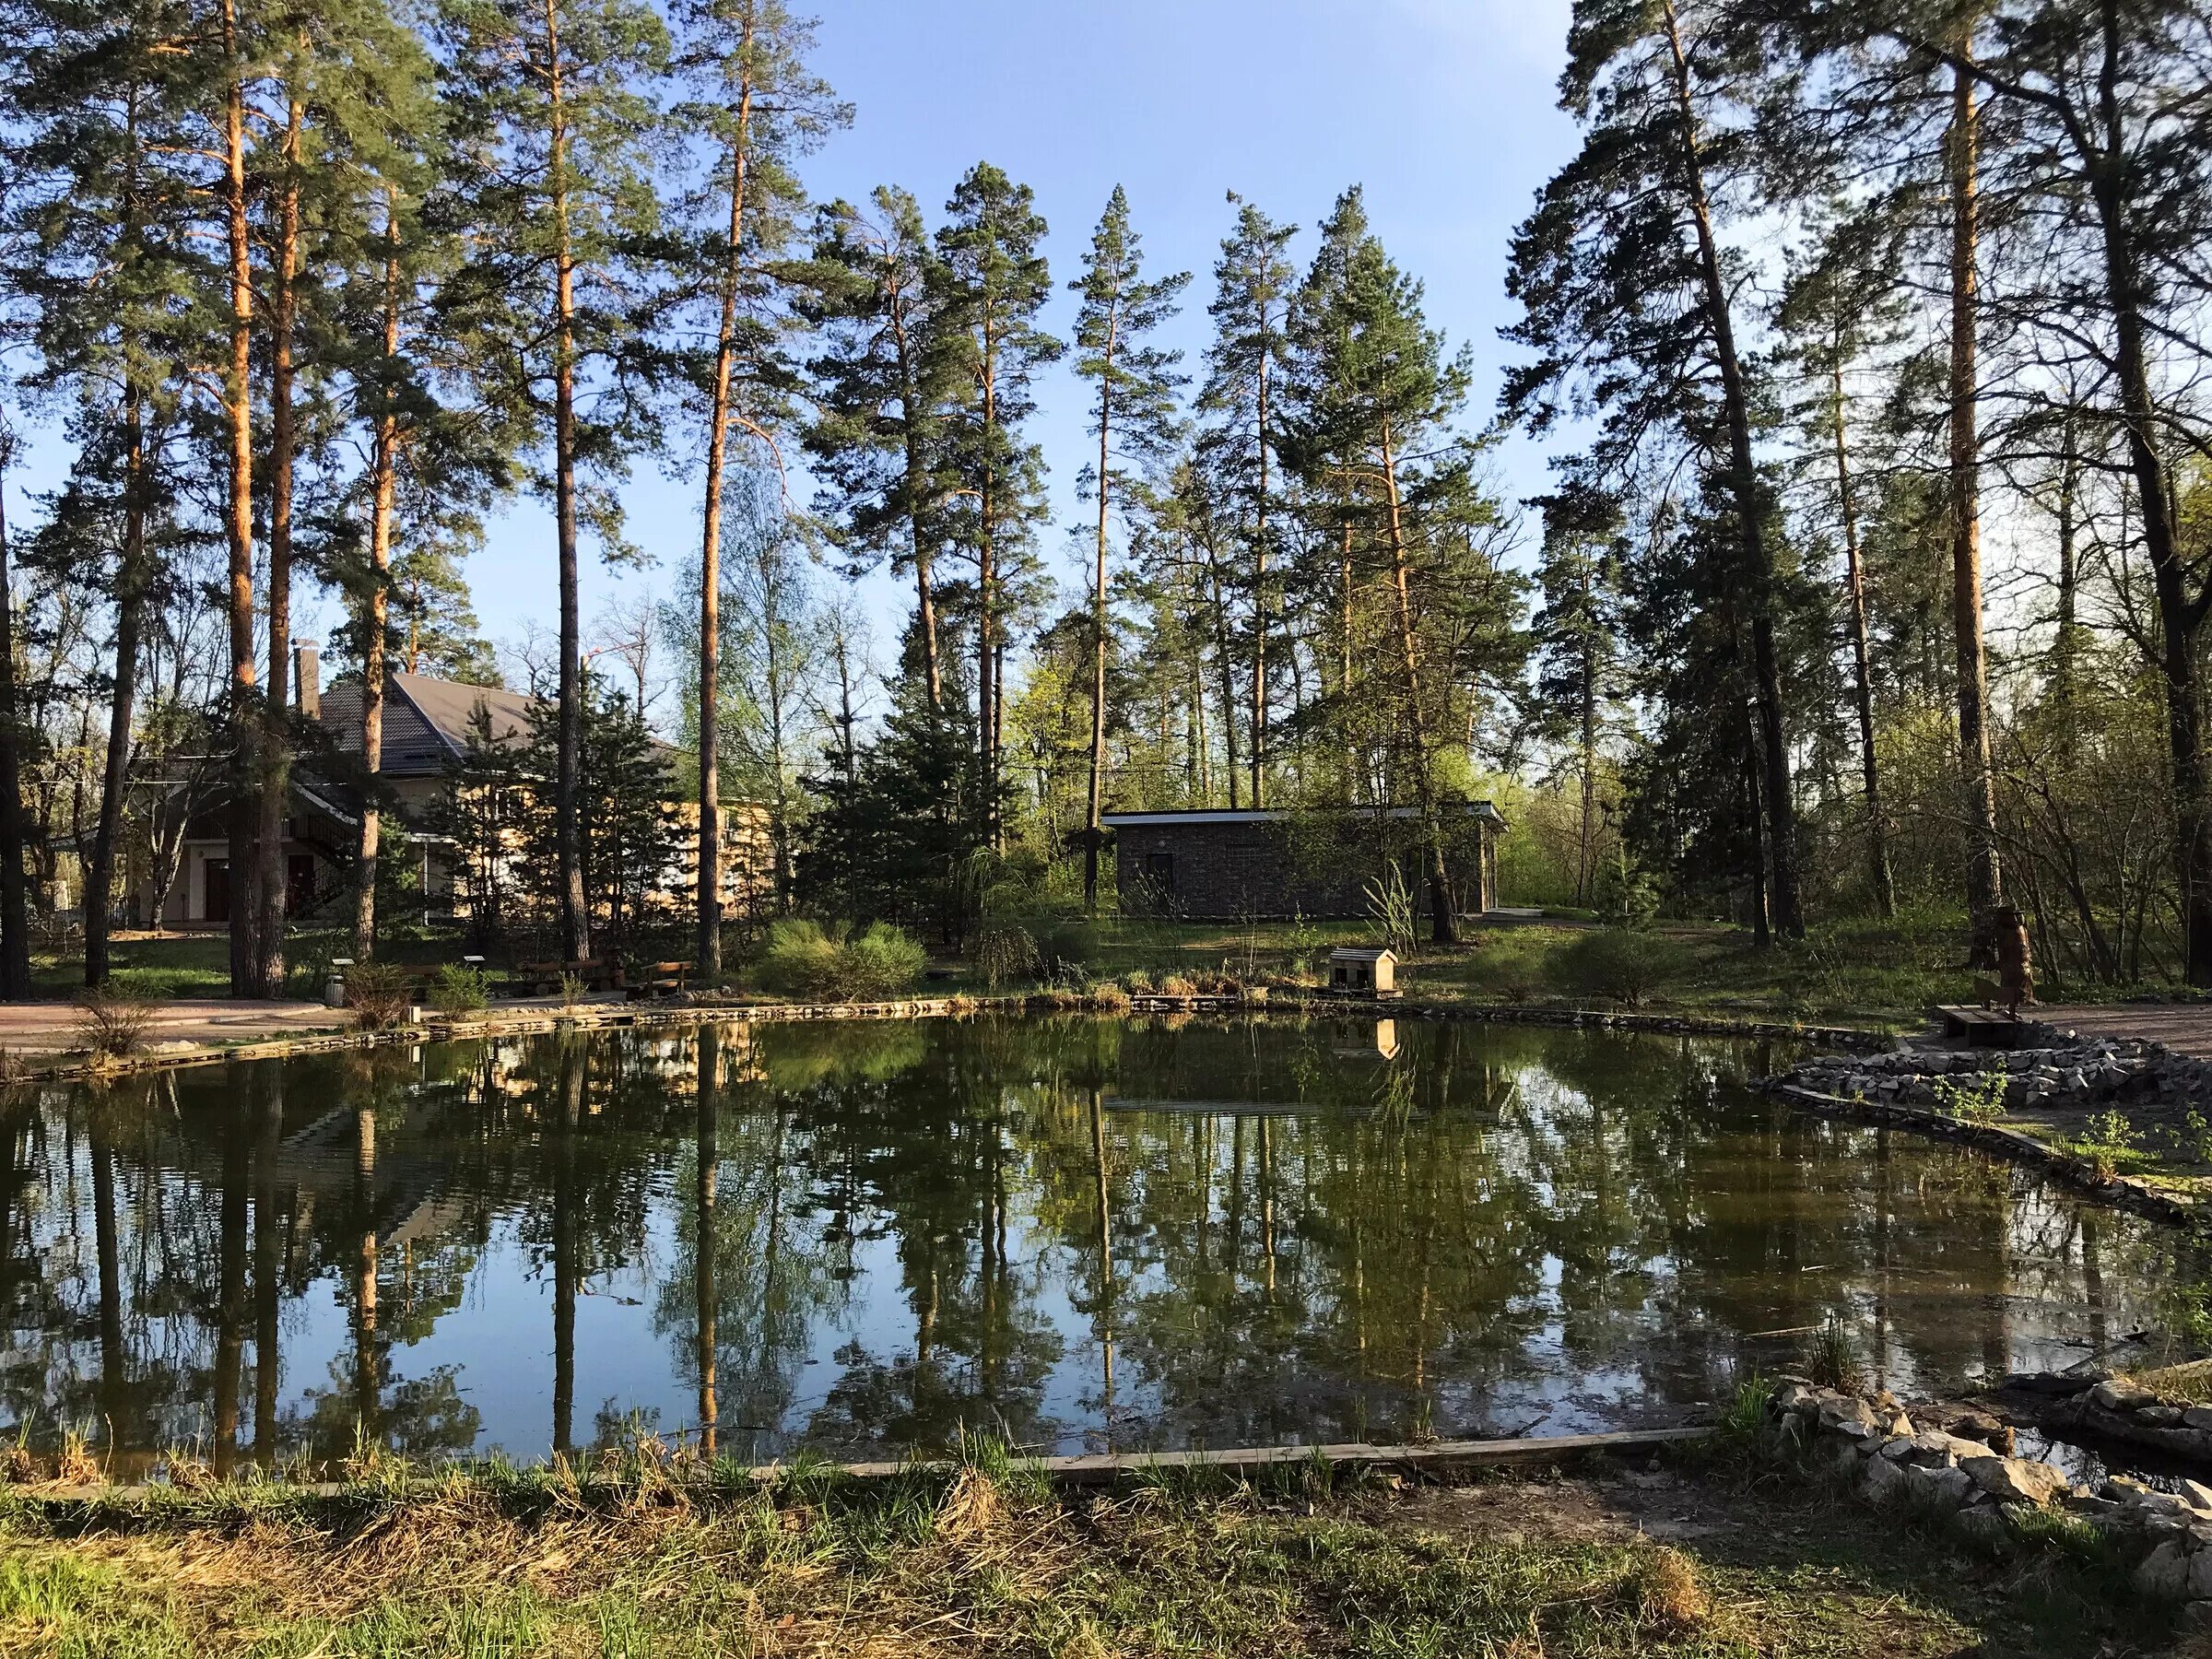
2086	1072
1987	1494
2117	1408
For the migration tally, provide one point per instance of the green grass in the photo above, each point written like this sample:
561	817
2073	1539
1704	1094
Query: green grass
1849	971
987	1561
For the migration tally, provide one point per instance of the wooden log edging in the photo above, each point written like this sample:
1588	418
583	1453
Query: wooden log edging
2117	1192
1077	1472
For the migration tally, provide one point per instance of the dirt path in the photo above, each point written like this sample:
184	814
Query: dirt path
47	1029
2185	1028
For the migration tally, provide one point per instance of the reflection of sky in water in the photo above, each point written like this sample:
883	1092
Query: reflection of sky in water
1318	1231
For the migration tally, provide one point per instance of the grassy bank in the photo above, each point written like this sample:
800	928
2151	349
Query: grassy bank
1859	972
1692	1560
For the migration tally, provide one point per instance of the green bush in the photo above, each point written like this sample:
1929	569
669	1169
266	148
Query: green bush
1622	965
883	961
803	960
799	959
460	990
1072	946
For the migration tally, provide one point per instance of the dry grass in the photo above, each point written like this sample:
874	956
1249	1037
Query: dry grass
1671	1595
651	1552
113	1019
2189	1383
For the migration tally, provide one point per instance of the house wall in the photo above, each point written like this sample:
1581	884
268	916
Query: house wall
1223	871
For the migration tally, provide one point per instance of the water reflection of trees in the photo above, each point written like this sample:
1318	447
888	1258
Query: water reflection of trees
873	1236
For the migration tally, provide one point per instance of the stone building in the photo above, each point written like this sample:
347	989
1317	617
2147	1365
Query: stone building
1210	865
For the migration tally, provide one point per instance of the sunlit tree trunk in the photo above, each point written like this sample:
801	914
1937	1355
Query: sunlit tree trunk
246	711
383	498
568	826
275	754
1854	589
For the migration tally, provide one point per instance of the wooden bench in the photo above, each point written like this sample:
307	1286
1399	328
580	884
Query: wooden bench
660	979
1980	1028
543	979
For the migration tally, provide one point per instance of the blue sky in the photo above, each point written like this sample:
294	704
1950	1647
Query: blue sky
1442	109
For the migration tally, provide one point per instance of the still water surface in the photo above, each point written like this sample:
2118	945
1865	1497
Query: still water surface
1077	1234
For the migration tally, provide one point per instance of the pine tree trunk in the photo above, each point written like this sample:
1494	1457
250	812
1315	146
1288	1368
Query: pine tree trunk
2066	644
130	608
1855	587
384	465
918	493
1259	594
1444	920
1584	869
238	412
568	826
276	747
986	697
1750	512
1226	657
2181	616
15	896
1097	632
1984	875
710	561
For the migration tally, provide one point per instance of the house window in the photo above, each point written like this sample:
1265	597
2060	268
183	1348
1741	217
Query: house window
218	907
1159	871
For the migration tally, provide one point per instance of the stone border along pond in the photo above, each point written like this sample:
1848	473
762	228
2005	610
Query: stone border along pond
1933	1091
698	1007
1999	1502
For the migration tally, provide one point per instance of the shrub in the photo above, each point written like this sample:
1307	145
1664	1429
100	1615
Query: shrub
1832	1361
799	959
1622	965
460	990
378	993
883	961
1004	951
803	960
1068	949
114	1019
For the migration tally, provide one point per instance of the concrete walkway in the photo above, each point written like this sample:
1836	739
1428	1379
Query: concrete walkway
2185	1028
42	1029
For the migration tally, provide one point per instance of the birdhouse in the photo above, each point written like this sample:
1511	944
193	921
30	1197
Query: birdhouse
1363	972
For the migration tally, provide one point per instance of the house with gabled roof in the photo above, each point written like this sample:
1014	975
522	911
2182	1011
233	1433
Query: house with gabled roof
427	723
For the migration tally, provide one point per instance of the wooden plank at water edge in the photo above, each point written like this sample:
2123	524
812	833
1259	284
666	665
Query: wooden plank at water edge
1980	1027
1105	1468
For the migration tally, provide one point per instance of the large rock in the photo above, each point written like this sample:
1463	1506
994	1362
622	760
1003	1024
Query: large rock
1848	1415
2195	1493
2200	1576
2118	1395
1884	1480
2015	1479
1943	1449
2164	1573
1939	1488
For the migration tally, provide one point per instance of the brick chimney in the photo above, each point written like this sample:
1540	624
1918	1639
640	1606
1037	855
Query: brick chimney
307	678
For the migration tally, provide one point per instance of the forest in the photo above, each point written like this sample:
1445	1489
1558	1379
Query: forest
1837	305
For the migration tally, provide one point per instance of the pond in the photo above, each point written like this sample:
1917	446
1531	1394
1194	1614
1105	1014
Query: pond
1076	1234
